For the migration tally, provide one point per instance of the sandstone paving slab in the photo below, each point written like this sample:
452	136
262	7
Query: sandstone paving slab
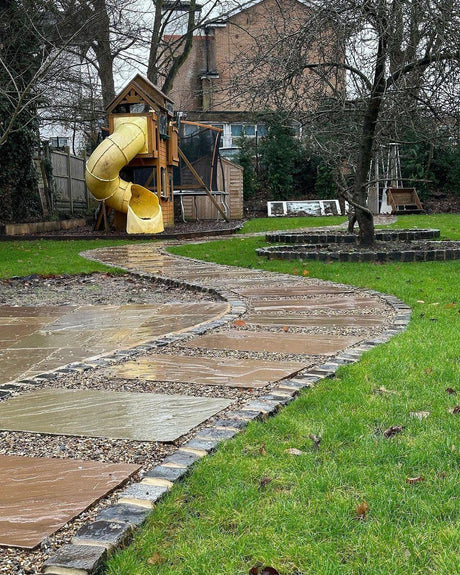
16	363
40	495
32	311
244	373
274	342
294	290
203	309
116	415
317	303
296	320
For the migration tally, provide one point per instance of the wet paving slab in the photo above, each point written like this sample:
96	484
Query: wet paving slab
231	372
116	415
274	342
33	340
317	303
40	495
307	321
289	291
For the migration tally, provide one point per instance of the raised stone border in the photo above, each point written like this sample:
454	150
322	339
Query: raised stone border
114	525
40	227
340	237
432	251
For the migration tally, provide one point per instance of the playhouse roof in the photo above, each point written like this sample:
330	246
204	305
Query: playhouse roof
140	89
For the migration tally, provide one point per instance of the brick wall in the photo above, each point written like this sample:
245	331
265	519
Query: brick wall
232	50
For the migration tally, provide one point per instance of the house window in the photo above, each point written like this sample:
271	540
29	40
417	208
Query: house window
239	130
163	126
261	130
59	143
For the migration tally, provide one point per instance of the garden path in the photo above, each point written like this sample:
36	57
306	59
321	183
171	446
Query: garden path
271	335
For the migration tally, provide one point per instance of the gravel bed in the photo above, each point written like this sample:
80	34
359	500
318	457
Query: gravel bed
93	289
180	228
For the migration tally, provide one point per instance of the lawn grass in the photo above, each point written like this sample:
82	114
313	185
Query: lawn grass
248	505
447	223
48	257
270	224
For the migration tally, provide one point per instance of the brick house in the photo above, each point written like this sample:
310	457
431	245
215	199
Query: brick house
220	81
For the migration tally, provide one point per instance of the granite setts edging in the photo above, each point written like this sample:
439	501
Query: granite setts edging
114	525
341	237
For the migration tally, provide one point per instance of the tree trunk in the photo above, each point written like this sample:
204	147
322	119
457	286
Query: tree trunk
363	215
152	68
102	49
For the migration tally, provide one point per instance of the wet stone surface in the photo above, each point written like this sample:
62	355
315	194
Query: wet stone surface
115	415
39	495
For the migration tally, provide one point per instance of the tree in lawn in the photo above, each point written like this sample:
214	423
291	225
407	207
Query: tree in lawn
392	61
279	153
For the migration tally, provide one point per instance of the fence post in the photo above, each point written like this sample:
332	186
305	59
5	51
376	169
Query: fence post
69	176
86	187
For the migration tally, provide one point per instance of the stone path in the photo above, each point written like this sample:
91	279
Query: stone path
289	332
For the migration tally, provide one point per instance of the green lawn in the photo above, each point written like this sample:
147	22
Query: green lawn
269	224
47	257
298	513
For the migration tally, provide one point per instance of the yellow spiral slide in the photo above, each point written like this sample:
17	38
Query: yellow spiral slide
102	177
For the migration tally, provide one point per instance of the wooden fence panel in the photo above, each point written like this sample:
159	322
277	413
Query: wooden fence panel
69	177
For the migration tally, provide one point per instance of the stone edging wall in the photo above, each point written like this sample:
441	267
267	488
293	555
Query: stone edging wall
431	251
340	237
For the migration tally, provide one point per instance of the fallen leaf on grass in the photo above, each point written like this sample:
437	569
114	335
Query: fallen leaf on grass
264	482
294	451
393	430
316	440
451	391
428	370
156	559
262	449
305	272
455	410
266	570
412	480
362	510
451	305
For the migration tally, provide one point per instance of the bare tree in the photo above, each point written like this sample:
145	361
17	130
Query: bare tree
174	26
382	63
